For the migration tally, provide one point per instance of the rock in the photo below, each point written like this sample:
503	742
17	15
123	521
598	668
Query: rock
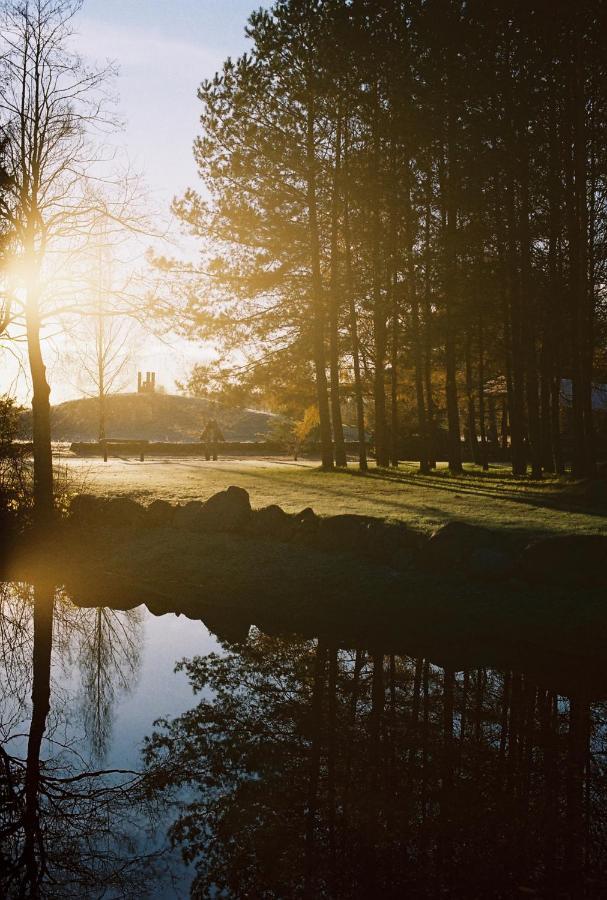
87	509
306	524
123	512
159	514
386	541
403	560
452	545
345	533
489	564
229	627
187	517
226	511
271	522
570	559
306	517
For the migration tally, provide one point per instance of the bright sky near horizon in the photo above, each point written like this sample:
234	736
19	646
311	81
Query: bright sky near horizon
163	49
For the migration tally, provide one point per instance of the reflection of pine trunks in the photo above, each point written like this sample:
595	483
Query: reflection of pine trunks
478	716
446	815
359	661
503	740
577	757
331	769
484	792
316	716
371	871
549	813
33	852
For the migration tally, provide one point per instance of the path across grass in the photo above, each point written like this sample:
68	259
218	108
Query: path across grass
495	499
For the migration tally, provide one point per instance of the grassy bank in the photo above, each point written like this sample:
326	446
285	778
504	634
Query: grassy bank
495	499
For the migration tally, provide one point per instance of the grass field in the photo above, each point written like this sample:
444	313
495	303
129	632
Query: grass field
495	499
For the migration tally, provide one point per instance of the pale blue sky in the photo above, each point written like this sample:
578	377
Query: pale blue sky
164	49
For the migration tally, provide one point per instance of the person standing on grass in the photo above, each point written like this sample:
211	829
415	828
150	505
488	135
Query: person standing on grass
211	436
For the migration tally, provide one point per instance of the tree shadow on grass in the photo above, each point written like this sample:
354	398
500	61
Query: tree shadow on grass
472	484
443	480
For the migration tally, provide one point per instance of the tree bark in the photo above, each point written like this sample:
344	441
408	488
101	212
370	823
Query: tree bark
349	284
318	302
379	306
450	280
334	309
41	412
41	692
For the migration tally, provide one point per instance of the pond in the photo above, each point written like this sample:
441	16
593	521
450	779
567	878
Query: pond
153	756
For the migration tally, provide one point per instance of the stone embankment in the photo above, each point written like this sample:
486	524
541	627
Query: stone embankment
576	560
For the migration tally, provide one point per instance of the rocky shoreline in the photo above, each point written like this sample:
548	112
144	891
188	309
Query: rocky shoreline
462	595
575	560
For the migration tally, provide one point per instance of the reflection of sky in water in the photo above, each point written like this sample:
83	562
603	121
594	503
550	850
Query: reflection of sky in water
154	691
159	691
431	764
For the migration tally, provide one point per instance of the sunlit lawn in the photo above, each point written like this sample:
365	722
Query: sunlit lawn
493	499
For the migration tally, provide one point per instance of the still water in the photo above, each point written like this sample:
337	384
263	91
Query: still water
143	756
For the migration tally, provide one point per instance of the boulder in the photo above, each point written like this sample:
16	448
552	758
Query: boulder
385	542
569	559
159	514
489	564
123	512
87	509
187	517
271	522
452	545
229	626
344	533
307	516
306	524
226	511
403	560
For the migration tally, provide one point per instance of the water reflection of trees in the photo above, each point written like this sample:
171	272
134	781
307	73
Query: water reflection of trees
109	659
65	829
317	772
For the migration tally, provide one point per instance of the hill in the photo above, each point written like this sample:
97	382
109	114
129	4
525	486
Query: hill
154	417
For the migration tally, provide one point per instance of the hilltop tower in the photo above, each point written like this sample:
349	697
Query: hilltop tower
149	385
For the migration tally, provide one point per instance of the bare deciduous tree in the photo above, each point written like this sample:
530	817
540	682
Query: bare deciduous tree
59	184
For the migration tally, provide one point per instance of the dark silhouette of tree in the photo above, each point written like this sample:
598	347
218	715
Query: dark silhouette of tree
408	198
318	771
65	829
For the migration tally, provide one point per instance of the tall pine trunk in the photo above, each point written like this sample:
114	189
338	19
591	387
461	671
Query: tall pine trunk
450	280
349	285
529	326
335	305
318	302
379	309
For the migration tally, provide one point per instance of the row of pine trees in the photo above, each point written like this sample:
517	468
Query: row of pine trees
414	192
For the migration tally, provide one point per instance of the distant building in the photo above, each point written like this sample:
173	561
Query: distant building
149	385
498	388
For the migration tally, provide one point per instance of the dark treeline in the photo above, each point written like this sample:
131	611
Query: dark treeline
364	774
408	197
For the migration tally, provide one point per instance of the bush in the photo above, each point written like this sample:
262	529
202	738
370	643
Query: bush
15	469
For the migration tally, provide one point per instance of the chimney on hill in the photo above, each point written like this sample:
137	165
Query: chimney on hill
149	385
